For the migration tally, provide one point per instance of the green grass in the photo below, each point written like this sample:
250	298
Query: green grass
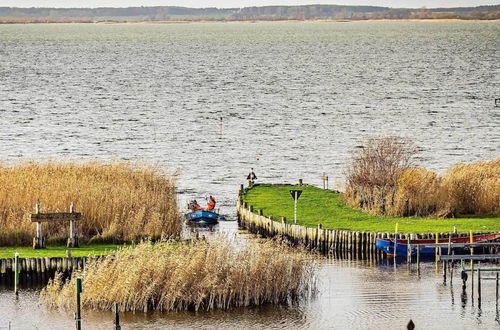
323	206
58	251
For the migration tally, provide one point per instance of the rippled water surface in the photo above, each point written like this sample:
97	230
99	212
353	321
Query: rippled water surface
294	98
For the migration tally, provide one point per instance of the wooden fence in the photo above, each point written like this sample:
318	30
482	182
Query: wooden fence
39	270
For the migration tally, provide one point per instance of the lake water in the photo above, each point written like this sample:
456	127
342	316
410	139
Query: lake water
294	99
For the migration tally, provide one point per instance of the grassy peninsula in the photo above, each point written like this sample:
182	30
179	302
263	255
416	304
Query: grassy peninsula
319	206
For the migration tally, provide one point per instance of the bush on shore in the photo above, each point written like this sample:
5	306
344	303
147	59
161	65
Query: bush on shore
201	275
118	201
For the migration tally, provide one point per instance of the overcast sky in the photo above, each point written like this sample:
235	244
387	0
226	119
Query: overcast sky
242	3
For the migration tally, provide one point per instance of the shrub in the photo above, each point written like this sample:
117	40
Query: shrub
373	171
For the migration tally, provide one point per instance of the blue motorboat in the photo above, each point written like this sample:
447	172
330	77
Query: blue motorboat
203	217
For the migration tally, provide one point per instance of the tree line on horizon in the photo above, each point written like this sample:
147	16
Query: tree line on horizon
270	13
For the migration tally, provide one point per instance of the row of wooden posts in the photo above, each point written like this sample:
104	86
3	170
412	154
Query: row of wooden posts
34	271
340	243
448	266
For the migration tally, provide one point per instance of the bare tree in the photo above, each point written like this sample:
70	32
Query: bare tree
374	169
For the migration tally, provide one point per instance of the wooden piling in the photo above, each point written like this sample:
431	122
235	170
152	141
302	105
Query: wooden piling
117	317
444	271
479	287
16	273
496	293
78	314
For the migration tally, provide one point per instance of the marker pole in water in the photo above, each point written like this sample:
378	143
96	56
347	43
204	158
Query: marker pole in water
295	208
396	242
471	249
78	314
496	292
117	317
16	273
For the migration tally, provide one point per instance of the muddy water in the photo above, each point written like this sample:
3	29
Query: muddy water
294	99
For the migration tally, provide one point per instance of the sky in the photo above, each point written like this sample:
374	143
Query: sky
242	3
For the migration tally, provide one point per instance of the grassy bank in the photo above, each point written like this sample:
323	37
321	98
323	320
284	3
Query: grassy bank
201	275
118	201
325	207
58	251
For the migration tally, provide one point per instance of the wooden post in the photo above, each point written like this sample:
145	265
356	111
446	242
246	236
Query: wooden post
471	250
472	278
38	242
479	287
408	251
78	314
437	253
444	271
496	292
73	236
117	317
452	263
16	273
418	259
395	243
449	243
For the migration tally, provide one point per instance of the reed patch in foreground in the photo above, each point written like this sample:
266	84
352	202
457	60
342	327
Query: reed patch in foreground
118	201
201	275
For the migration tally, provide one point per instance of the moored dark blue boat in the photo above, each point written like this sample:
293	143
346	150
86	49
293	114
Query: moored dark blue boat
458	245
203	217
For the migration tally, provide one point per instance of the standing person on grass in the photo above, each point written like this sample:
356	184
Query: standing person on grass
251	177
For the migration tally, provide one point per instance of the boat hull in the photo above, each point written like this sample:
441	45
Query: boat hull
202	217
400	248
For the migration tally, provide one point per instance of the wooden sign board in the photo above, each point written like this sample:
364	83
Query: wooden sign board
47	217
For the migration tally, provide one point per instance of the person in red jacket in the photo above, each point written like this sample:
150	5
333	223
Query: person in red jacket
211	203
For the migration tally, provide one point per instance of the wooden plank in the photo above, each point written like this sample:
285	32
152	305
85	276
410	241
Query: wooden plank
46	217
473	257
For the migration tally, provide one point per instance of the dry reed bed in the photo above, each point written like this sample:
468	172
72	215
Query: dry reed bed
119	201
382	178
464	189
201	275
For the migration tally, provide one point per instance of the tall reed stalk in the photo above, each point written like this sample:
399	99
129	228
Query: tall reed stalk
201	275
118	201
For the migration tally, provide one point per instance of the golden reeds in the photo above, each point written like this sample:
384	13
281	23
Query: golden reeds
380	180
473	188
417	193
118	201
201	275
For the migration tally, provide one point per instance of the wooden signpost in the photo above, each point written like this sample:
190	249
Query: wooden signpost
39	241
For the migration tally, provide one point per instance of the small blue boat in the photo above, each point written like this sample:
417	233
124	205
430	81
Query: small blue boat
203	217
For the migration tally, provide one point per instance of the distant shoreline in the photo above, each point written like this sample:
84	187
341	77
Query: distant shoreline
404	20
